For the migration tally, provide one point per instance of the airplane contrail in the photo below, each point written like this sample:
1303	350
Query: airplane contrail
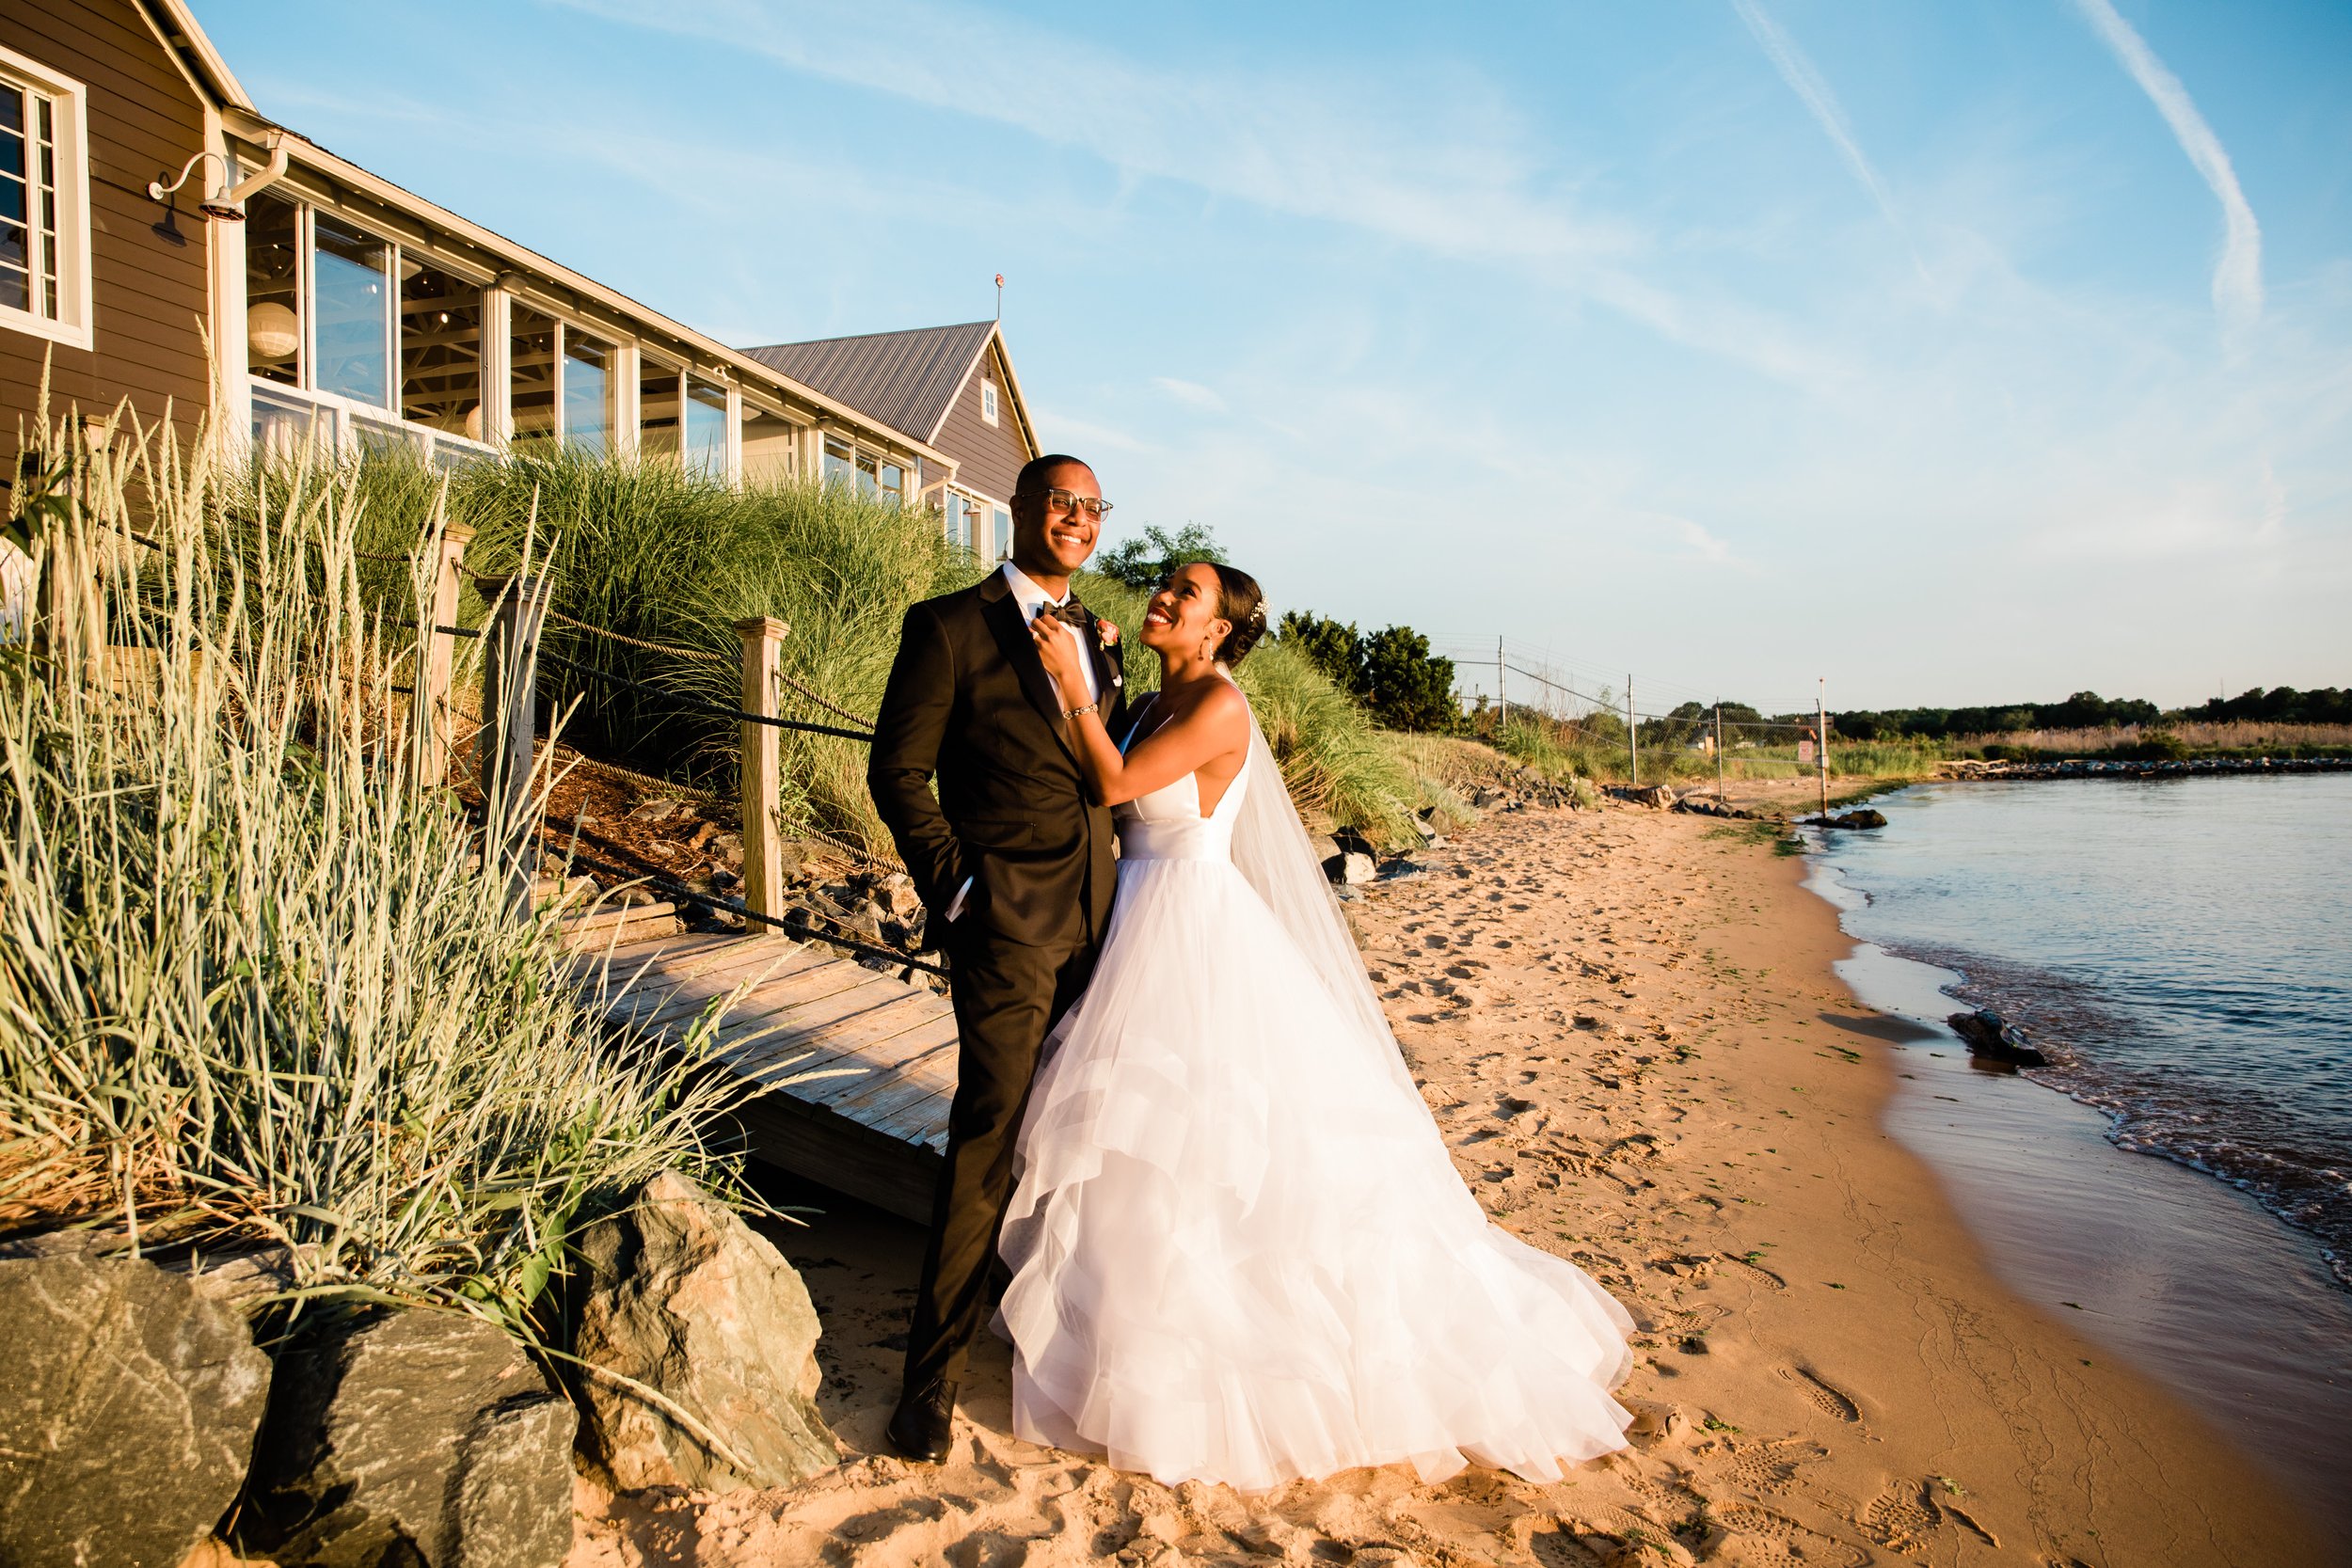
2238	277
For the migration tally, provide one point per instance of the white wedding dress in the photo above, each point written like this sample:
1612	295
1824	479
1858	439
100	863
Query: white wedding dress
1239	1251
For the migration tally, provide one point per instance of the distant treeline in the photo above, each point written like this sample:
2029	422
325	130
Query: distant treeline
2088	710
2281	704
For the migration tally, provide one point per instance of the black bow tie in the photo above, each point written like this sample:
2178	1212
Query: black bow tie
1070	610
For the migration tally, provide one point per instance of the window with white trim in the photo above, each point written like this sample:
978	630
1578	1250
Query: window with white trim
44	203
352	338
987	401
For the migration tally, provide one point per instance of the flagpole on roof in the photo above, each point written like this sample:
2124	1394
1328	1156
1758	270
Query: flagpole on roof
1000	296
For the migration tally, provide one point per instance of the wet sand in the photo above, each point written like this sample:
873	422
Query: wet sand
1628	1028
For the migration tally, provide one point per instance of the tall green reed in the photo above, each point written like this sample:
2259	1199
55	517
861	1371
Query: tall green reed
253	984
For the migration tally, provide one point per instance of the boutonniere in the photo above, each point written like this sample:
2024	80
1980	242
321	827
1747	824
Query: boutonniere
1106	633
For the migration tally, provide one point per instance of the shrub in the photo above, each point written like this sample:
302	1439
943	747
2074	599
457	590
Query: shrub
1391	670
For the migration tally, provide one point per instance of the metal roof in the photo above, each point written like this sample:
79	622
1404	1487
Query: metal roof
907	380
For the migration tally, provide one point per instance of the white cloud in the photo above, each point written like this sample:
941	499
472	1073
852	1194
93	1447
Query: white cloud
2237	278
1806	83
1702	546
1070	434
1451	179
1190	393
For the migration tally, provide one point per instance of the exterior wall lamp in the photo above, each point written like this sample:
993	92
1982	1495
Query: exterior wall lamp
226	205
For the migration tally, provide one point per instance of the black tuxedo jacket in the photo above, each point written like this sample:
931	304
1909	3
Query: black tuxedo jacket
969	704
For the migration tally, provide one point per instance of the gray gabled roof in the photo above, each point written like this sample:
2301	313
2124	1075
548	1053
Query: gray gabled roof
907	380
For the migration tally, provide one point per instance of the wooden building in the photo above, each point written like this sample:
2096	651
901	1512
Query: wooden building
147	207
952	386
106	287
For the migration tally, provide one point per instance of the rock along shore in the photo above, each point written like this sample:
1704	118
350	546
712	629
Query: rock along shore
2088	767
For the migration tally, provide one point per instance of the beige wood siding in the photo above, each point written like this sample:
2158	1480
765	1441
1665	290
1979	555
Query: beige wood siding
148	294
991	455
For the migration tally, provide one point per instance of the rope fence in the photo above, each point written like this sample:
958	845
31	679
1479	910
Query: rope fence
691	704
700	654
511	698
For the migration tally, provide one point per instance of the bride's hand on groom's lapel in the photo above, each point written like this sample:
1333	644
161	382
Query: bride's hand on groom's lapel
1057	649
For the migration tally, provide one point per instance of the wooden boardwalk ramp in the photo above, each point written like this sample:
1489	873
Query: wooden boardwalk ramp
877	1130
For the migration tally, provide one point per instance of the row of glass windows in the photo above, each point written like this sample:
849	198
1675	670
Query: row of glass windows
330	308
333	309
977	526
873	475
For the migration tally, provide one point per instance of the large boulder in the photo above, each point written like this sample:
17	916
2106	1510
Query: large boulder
685	1298
412	1437
128	1408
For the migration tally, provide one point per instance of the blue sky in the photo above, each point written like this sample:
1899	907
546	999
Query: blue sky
1954	352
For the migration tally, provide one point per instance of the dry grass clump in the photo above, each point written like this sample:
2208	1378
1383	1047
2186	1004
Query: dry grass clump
2179	737
253	987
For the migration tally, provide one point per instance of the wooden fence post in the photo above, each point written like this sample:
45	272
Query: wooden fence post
510	711
436	723
762	770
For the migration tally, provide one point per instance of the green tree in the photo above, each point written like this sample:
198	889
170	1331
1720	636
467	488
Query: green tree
1404	686
1335	649
1144	564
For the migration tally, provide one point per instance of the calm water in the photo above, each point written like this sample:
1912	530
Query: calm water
2183	951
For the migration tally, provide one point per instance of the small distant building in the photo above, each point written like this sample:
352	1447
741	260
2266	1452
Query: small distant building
950	388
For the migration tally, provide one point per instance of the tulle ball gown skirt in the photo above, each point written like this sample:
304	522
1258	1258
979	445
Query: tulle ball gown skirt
1240	1253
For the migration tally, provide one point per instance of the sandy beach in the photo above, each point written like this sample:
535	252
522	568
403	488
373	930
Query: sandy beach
1627	1025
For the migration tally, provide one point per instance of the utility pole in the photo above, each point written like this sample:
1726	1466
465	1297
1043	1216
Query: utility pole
1821	742
1719	751
1632	736
1503	699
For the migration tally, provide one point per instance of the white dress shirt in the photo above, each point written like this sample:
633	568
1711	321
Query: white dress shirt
1034	601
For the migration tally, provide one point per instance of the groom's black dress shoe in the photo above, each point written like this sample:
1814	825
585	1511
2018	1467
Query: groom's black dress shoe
925	1421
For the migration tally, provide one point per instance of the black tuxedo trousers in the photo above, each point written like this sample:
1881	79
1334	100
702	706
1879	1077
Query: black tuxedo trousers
969	707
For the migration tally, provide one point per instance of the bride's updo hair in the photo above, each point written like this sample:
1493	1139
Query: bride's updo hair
1238	600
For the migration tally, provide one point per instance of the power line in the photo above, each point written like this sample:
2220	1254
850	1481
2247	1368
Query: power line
1667	717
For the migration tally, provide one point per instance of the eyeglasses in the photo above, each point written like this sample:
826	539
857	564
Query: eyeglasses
1059	499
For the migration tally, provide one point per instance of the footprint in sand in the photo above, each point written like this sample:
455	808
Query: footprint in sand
1748	1270
1821	1395
1772	1467
1769	1538
1902	1517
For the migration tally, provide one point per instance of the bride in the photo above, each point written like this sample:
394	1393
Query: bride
1239	1251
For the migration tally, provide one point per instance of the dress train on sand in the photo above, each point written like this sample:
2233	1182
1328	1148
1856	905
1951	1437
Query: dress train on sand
1239	1250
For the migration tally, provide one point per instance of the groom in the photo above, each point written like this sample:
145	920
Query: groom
1014	865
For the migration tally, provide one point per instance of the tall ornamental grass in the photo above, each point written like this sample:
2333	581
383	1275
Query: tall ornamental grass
665	557
253	986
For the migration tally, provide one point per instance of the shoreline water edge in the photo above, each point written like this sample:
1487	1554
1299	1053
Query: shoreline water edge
2114	1211
1630	1028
